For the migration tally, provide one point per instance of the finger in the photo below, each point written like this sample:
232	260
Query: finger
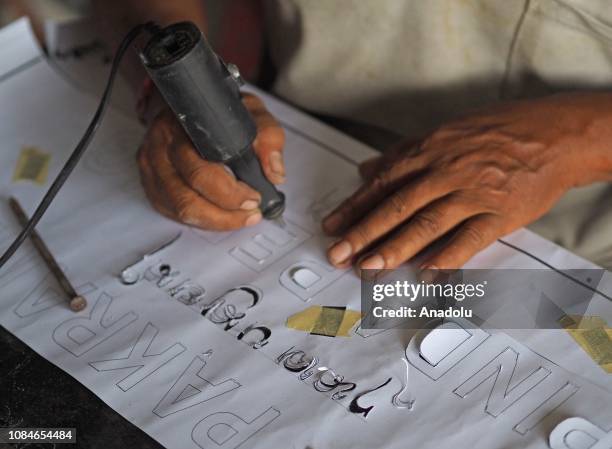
424	228
270	140
212	180
371	194
396	209
472	237
191	208
158	135
369	168
147	179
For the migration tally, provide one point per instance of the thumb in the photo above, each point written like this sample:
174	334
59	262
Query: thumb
270	140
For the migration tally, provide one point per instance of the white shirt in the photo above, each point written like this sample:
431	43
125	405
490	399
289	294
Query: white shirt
407	65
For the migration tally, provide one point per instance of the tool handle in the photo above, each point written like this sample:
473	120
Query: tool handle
247	168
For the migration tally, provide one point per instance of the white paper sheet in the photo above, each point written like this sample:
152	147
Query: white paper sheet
190	383
81	57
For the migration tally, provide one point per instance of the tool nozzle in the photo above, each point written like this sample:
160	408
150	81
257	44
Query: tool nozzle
280	221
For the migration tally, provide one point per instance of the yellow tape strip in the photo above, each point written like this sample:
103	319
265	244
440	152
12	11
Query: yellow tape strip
32	165
593	335
324	320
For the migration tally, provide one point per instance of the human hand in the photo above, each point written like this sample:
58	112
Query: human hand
186	188
474	180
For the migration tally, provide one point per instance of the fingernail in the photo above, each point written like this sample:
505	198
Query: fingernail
253	219
428	267
340	252
375	262
428	273
277	179
332	244
249	205
276	163
332	222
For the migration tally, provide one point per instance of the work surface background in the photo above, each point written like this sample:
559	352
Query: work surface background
36	393
554	255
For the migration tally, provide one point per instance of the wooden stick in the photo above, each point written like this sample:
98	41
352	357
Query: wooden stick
76	301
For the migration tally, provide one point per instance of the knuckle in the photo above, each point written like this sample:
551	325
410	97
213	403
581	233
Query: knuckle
437	136
380	181
182	150
428	222
405	163
392	253
271	136
475	236
398	204
251	101
198	176
360	236
185	210
495	136
492	176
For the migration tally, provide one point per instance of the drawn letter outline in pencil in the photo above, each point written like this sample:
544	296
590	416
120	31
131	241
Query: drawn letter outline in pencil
579	433
141	358
191	389
308	278
505	390
19	266
442	363
269	245
225	430
81	334
44	296
551	402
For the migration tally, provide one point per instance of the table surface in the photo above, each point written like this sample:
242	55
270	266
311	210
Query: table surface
36	393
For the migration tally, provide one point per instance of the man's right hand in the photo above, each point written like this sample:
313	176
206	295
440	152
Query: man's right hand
186	188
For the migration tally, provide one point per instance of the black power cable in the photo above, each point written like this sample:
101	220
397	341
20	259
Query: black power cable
81	146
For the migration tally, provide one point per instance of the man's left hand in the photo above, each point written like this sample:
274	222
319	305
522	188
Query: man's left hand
474	180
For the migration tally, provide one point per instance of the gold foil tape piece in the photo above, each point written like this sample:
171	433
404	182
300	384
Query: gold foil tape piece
324	320
32	165
593	335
